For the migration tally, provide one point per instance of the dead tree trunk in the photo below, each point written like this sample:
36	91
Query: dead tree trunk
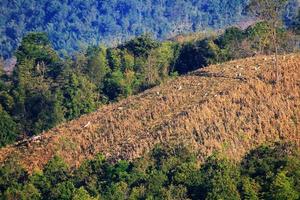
275	44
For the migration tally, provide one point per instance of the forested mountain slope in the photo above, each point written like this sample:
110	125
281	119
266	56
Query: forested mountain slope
72	25
231	107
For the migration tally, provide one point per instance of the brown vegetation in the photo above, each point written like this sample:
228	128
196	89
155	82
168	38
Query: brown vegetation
231	107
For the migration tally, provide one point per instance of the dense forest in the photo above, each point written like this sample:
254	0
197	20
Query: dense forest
44	90
268	172
75	25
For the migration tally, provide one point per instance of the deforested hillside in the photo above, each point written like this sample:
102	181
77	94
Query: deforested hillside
231	108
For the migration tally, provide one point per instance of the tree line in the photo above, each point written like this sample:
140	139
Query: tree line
172	172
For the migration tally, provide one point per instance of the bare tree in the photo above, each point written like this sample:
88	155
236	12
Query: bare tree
269	11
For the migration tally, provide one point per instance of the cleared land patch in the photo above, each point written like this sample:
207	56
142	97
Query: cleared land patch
231	107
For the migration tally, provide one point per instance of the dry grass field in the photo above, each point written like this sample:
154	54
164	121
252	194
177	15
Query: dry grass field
231	108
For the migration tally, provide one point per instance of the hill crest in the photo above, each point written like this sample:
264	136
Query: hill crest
230	107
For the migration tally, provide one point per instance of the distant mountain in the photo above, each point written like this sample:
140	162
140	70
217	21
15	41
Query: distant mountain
72	25
231	107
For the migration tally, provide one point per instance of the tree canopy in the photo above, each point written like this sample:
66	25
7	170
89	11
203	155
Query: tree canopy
171	172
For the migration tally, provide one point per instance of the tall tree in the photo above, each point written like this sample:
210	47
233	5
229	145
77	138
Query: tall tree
79	95
38	65
97	67
269	11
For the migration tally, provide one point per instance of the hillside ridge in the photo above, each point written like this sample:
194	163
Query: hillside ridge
230	107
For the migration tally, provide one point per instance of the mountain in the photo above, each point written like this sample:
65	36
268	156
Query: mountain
231	107
74	25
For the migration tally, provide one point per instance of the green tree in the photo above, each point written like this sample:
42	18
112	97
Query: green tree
12	176
158	64
250	189
259	35
262	163
114	58
230	43
195	55
127	61
115	86
220	179
41	182
231	36
282	188
56	171
141	46
6	99
97	66
43	111
82	194
117	191
62	191
29	192
36	107
37	47
8	129
80	95
92	174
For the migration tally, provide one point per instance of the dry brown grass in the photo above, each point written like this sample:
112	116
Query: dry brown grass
231	107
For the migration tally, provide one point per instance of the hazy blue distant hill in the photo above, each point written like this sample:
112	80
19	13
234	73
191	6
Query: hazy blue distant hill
72	25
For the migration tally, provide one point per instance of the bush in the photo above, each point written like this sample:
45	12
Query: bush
8	129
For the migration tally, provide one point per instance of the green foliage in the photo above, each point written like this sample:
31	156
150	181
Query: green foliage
232	43
56	171
62	191
8	129
114	59
82	194
232	36
159	64
97	66
260	36
26	192
44	112
141	46
37	47
12	178
167	172
115	86
250	189
196	55
282	188
220	179
6	99
36	105
268	167
263	162
72	25
79	96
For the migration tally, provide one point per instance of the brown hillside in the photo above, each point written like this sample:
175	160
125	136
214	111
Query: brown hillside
231	107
